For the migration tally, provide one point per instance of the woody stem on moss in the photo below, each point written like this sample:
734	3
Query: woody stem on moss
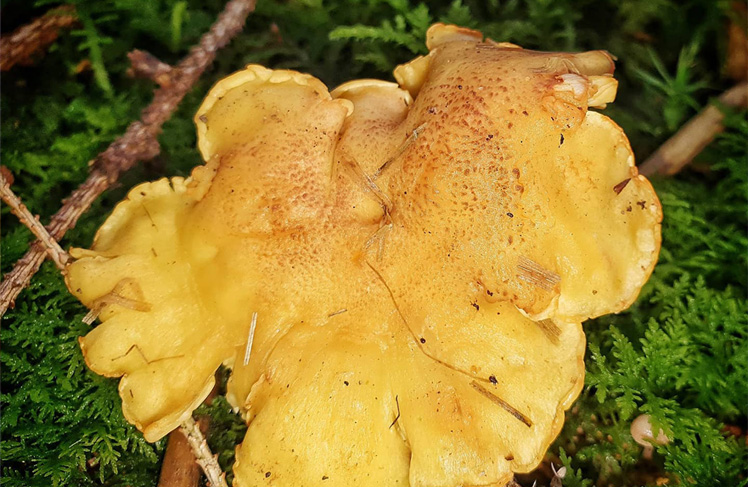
27	42
694	136
53	249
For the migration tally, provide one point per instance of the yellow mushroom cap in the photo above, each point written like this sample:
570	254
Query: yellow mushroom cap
397	274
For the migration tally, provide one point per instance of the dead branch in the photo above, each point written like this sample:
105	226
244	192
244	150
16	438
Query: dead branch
179	468
20	46
690	140
736	64
55	252
203	456
146	65
7	175
138	143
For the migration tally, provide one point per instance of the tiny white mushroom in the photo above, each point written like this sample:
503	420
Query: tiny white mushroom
558	476
641	430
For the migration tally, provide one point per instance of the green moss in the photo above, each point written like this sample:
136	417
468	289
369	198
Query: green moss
62	424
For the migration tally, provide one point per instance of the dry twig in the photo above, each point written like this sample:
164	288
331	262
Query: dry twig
136	144
55	252
690	140
20	46
736	63
146	65
204	457
179	468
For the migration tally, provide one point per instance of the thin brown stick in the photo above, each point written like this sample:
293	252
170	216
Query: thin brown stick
55	252
203	456
736	63
146	65
694	136
7	175
136	144
179	468
21	45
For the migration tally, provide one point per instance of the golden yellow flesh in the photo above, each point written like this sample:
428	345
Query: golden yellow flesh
417	263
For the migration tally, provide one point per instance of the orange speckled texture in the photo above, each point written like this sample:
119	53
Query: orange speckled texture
418	259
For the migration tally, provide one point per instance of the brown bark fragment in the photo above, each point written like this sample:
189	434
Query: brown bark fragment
193	434
179	467
55	252
146	65
737	43
5	172
24	43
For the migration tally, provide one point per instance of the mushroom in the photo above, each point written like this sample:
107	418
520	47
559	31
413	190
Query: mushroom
396	273
641	430
558	476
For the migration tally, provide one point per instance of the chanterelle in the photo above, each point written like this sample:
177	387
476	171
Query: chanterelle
397	275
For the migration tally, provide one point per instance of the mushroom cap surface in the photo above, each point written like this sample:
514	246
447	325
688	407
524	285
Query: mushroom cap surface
396	274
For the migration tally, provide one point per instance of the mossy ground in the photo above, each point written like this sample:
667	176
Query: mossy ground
679	354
